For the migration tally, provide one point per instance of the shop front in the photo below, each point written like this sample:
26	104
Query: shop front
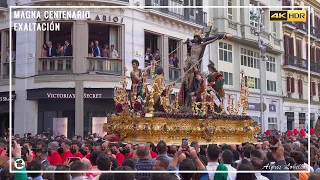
290	120
57	113
4	111
302	120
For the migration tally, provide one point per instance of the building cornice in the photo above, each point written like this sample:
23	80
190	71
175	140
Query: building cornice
313	3
77	77
301	101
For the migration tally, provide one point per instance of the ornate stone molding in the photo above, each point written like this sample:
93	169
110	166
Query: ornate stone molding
74	77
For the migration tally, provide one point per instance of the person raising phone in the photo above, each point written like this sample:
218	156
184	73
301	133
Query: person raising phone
184	165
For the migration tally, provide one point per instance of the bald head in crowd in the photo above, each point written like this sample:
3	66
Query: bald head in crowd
105	146
143	151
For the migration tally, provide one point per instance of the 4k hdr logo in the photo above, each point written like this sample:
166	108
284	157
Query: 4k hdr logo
289	15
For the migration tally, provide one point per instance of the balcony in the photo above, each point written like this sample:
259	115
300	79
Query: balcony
295	62
315	67
104	65
6	66
55	65
301	64
289	25
302	28
194	15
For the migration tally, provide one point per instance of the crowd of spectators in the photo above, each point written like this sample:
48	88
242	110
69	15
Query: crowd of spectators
95	154
95	50
48	50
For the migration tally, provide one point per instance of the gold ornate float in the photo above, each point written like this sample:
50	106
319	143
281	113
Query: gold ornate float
137	123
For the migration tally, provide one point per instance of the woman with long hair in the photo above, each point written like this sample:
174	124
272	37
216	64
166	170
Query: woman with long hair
90	49
44	50
106	51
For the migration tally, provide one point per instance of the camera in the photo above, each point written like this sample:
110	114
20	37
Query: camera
19	161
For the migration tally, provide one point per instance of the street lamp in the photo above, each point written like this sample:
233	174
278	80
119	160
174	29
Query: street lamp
262	57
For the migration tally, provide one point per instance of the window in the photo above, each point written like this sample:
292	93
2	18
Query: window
230	9
271	86
274	25
225	52
253	11
6	64
300	86
256	119
272	123
256	82
290	85
250	58
271	64
228	78
298	47
313	89
319	90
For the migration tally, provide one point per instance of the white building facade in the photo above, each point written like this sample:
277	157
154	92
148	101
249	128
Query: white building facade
80	87
295	69
241	52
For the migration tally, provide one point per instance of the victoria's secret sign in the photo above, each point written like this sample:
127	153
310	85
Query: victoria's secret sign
6	98
69	93
72	96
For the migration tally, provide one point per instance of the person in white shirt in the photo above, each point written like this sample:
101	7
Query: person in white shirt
213	154
114	54
227	160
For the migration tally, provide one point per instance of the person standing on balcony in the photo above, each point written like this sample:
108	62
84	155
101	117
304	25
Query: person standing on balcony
171	61
68	49
106	51
8	55
90	49
97	51
113	54
59	50
44	50
148	57
175	61
156	55
52	52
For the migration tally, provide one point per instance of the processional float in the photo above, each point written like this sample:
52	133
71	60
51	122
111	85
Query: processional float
139	119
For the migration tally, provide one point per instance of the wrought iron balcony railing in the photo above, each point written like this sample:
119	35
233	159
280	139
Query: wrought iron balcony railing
194	15
104	65
6	72
290	23
291	60
302	26
301	63
55	65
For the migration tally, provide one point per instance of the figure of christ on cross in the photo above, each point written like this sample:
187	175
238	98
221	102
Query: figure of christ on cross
192	80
